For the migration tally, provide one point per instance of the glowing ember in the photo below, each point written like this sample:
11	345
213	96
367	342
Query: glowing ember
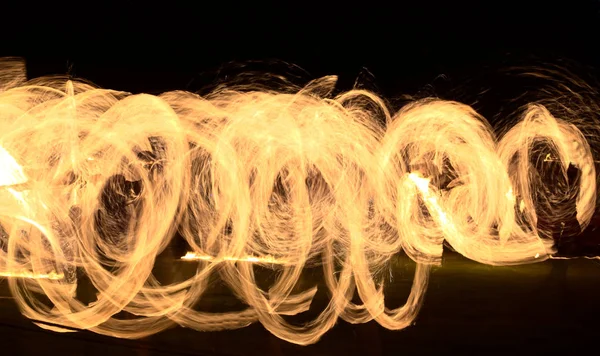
290	180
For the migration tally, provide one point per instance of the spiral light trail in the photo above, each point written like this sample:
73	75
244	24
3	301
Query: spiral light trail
98	182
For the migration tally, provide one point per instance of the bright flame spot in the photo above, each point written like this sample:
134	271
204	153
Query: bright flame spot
510	196
431	200
522	205
420	182
11	173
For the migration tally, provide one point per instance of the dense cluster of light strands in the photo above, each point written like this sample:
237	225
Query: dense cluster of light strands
247	177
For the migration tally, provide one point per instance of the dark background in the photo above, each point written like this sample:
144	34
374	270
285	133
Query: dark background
409	48
166	46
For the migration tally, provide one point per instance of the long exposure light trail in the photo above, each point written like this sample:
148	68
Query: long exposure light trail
191	256
27	274
97	183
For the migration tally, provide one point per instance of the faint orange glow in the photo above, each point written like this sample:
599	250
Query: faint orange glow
100	182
